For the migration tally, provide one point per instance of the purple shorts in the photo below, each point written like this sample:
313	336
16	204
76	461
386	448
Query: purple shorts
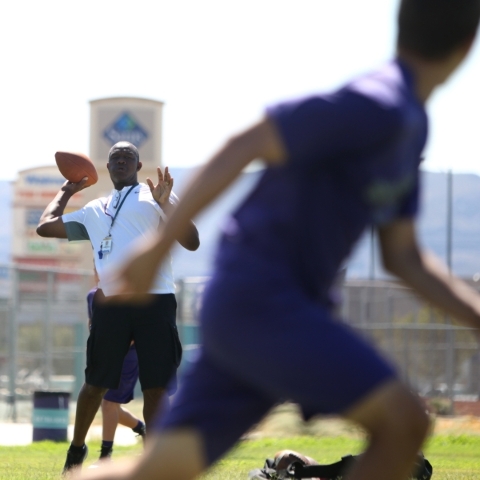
265	343
128	380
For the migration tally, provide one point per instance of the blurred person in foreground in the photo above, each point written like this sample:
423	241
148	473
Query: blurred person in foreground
335	163
112	224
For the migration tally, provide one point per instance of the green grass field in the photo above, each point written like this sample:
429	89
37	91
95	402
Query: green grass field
452	457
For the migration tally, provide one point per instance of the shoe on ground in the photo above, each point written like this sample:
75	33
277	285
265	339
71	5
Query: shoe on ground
141	432
105	457
74	460
106	453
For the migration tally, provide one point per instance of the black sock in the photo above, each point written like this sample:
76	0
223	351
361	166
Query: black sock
140	426
75	449
106	444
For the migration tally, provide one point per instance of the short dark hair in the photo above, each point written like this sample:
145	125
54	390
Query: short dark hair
124	145
434	28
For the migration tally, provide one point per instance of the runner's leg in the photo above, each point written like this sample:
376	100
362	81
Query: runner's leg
397	424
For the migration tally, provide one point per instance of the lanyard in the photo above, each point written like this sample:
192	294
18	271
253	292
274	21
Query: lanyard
119	207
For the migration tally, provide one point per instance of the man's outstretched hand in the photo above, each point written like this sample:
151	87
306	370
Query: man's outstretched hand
162	190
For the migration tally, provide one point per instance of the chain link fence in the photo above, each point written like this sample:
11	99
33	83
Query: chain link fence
43	333
437	357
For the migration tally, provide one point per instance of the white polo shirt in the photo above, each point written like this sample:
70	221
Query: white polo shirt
139	216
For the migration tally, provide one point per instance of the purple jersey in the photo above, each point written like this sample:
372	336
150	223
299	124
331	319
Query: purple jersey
267	327
353	159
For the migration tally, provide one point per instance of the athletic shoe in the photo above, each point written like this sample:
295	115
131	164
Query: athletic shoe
141	432
106	453
74	459
105	457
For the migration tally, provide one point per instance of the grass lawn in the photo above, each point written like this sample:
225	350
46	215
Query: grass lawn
452	457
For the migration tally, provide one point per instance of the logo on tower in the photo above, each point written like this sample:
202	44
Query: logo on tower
126	128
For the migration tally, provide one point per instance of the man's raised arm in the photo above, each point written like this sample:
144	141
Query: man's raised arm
51	224
163	194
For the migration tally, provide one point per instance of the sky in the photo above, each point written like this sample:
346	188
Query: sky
215	63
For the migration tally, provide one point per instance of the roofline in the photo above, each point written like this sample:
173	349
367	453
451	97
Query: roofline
141	99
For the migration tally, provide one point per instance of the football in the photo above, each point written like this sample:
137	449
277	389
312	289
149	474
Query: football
75	166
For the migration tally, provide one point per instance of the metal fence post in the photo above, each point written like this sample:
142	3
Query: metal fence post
48	330
12	341
80	346
450	363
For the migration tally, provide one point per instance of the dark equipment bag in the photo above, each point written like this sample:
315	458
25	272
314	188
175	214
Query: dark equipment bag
288	464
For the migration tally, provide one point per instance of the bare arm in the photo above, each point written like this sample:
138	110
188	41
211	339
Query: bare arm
260	141
162	194
51	224
426	275
190	240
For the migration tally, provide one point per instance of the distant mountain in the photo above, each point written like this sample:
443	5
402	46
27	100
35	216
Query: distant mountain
198	264
465	220
432	226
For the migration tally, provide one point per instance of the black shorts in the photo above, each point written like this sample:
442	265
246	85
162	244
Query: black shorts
152	327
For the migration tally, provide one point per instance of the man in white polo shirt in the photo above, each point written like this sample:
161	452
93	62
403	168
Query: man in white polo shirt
111	224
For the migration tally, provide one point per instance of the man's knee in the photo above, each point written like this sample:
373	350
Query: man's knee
408	417
92	391
154	393
153	399
108	406
392	410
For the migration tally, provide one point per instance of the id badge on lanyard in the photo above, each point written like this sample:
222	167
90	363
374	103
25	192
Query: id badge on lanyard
107	243
105	247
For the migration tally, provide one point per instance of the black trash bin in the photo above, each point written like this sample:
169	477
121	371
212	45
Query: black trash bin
50	416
